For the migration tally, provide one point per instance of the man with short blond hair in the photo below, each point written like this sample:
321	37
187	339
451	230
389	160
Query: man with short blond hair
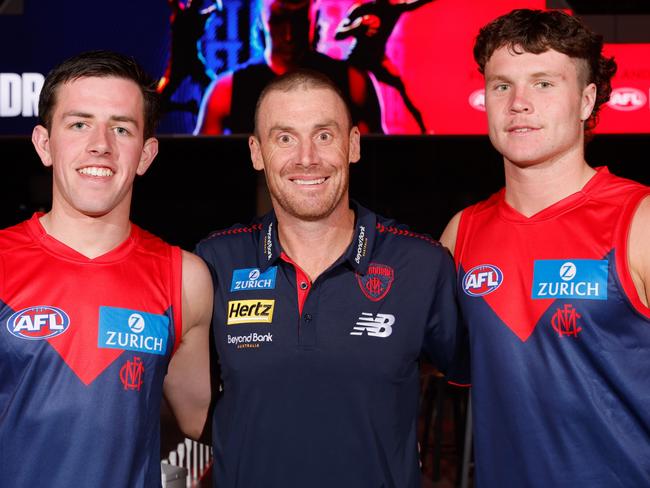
322	309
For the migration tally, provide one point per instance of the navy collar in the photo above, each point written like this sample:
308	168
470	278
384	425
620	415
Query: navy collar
358	253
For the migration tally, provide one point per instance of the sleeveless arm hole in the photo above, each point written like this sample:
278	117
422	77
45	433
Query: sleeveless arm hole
177	294
464	230
621	242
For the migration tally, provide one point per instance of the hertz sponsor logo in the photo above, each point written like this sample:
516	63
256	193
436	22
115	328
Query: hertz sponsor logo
250	311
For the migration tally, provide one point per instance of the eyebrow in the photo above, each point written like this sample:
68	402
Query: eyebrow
320	125
538	74
115	118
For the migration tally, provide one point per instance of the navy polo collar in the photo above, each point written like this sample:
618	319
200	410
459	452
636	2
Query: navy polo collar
358	253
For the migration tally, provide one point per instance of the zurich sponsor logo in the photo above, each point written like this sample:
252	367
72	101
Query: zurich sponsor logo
575	278
627	99
133	330
482	279
37	323
253	279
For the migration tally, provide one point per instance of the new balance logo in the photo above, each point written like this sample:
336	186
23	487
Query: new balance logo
379	326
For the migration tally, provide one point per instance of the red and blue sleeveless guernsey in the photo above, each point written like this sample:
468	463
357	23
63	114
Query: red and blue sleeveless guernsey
321	379
560	341
84	348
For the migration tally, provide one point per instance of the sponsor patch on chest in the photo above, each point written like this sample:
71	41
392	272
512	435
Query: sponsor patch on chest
253	279
482	279
133	330
250	311
570	278
37	323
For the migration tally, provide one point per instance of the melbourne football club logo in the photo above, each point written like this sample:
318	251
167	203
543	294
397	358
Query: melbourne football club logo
37	323
377	281
131	374
482	279
565	321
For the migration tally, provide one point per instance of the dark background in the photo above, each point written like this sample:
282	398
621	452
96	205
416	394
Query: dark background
201	184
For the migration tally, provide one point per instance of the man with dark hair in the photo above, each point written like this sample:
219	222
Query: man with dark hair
322	309
288	27
554	272
98	316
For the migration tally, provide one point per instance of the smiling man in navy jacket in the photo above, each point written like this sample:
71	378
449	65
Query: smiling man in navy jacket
322	311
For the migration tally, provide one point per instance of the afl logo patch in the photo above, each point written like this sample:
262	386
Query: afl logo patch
37	323
376	283
482	279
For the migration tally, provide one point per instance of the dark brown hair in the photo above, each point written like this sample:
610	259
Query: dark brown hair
537	31
100	64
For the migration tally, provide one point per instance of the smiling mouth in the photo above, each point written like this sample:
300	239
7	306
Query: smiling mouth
95	171
522	130
316	181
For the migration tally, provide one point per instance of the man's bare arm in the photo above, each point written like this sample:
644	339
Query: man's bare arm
639	251
187	384
448	237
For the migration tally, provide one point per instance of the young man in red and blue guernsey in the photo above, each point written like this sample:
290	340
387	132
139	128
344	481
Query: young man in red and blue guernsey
99	317
322	310
554	272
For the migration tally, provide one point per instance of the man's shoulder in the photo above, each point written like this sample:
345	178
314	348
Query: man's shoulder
15	237
236	235
611	186
401	238
150	243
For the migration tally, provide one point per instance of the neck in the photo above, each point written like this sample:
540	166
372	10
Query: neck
531	189
315	246
90	236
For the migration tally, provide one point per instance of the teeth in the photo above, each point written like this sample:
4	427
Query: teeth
93	171
310	182
525	129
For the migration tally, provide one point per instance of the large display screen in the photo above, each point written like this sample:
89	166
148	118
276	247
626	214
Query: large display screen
406	65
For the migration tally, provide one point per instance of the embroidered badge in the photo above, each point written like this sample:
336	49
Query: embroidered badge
376	283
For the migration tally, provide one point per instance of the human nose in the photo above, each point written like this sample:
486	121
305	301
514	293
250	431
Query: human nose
307	153
520	101
100	142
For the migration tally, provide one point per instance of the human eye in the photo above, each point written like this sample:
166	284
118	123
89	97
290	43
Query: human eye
122	131
284	139
500	87
78	125
324	136
544	84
